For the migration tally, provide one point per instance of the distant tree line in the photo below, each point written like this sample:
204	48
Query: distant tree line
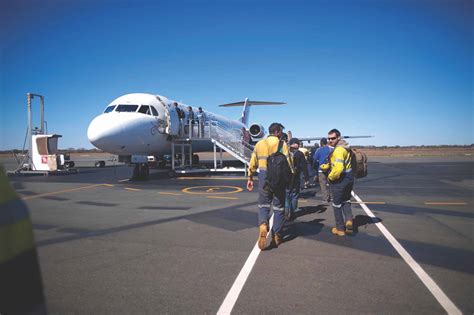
372	147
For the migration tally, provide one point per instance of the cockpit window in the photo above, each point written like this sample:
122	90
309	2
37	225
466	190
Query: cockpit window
145	109
126	108
109	109
155	113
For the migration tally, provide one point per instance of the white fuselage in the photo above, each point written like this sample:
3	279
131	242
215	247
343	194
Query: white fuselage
145	124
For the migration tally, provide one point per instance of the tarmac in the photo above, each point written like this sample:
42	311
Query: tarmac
177	245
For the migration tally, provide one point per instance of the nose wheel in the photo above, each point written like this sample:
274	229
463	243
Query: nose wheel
141	171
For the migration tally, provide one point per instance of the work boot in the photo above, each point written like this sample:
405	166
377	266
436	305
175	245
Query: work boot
276	240
349	227
337	232
262	236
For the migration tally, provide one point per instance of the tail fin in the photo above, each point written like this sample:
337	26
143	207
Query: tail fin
246	104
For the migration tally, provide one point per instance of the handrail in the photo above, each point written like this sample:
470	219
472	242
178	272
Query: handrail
214	131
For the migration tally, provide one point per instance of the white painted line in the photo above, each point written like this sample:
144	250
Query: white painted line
124	180
440	296
234	292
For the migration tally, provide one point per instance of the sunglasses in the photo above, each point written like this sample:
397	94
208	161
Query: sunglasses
333	138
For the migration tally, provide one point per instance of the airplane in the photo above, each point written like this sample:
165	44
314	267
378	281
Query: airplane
139	125
135	126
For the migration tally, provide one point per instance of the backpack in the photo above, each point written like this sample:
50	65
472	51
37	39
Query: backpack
278	170
180	112
358	163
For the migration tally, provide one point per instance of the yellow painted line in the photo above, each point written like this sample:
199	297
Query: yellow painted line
123	180
62	191
223	178
168	193
219	197
446	203
132	189
187	190
108	185
303	200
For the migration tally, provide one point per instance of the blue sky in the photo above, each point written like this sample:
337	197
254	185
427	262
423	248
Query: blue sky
399	70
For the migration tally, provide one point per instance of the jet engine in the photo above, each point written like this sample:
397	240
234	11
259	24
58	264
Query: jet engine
257	131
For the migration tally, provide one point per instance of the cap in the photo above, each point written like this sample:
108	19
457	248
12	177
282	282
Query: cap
294	140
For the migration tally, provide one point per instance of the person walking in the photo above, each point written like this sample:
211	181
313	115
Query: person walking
300	167
321	157
268	197
341	181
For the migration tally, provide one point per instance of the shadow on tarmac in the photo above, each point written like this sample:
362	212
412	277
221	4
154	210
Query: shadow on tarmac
364	220
303	229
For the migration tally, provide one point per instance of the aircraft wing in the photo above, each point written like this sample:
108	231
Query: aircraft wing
249	102
309	139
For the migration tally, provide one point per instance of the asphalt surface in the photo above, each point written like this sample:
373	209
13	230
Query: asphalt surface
109	245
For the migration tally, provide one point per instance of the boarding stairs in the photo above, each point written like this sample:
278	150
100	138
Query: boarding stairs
218	135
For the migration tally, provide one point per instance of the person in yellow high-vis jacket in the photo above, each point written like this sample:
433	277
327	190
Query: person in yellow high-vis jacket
267	197
341	181
21	289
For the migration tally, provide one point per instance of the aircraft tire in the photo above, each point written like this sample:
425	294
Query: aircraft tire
195	159
99	164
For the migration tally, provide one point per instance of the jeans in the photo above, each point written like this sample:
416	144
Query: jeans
341	194
267	199
323	183
291	201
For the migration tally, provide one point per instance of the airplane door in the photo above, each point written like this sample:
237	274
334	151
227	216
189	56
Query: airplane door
173	121
171	117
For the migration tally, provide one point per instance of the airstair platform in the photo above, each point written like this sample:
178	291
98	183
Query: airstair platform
211	134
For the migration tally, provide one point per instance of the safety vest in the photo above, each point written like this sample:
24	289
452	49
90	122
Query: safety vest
263	149
21	289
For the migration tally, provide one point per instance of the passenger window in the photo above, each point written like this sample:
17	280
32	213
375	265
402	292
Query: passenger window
145	109
155	113
109	109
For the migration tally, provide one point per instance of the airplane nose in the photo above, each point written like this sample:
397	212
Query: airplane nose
105	132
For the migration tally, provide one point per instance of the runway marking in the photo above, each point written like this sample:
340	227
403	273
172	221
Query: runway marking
440	296
446	203
124	180
132	189
108	185
219	197
168	193
62	191
234	292
187	190
303	200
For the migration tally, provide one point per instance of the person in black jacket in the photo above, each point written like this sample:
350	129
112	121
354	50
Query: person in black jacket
293	191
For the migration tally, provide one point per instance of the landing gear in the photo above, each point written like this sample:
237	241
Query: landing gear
161	163
141	171
99	164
